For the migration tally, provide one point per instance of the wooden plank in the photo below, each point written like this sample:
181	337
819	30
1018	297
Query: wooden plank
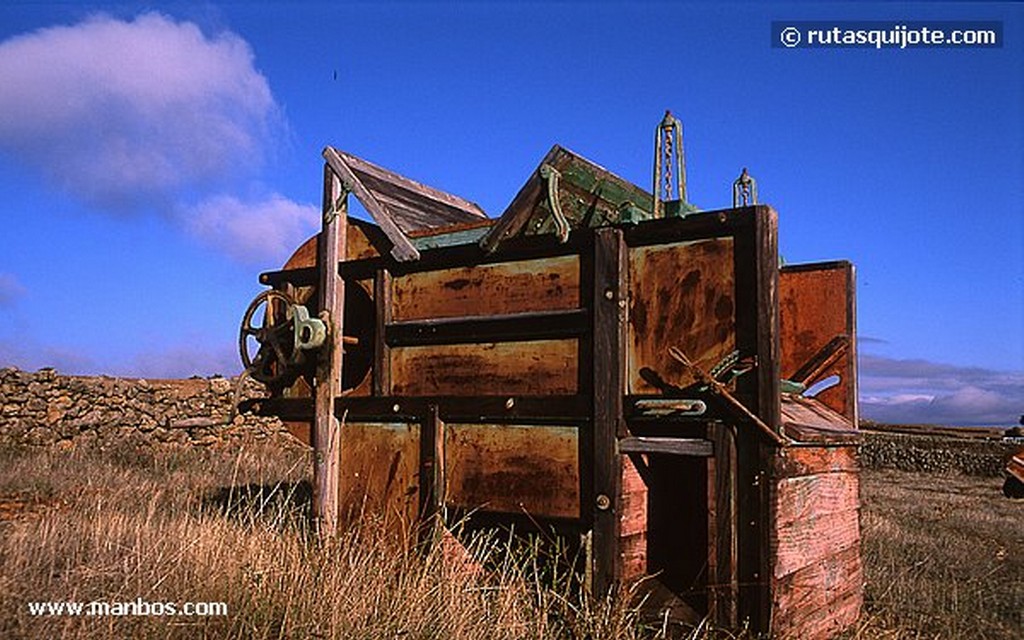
683	296
694	447
809	420
403	250
430	481
806	497
498	328
468	211
550	284
381	350
632	507
331	293
804	542
380	465
610	294
819	600
802	461
535	367
525	469
722	574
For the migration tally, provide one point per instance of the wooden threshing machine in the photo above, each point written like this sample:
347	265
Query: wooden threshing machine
601	362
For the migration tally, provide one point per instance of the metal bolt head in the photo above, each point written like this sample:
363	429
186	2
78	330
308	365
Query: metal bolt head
609	294
511	402
396	408
603	502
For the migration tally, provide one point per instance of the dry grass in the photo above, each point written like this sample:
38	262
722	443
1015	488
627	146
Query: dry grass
944	558
211	526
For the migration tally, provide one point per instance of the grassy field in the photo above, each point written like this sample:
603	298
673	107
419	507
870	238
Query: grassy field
944	557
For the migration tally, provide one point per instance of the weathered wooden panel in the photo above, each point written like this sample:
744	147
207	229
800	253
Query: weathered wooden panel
682	295
816	305
632	510
819	600
805	497
804	542
379	473
550	284
536	367
810	420
802	461
513	469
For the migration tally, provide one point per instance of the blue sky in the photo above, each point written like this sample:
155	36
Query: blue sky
154	158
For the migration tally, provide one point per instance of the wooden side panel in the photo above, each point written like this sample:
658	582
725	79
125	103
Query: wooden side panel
550	284
632	510
379	473
820	600
536	367
682	295
817	575
513	469
816	304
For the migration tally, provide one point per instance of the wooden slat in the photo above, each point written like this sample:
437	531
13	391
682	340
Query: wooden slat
403	250
610	292
806	497
671	446
804	542
498	328
523	469
551	284
819	600
469	210
722	574
535	367
802	461
809	420
382	316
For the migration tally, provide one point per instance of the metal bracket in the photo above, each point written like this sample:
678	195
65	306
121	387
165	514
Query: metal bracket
310	333
562	226
744	190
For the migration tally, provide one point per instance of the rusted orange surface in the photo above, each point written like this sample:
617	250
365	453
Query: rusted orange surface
550	284
513	469
379	473
535	367
681	295
815	307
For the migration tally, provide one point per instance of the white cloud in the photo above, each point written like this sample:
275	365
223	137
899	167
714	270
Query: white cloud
150	116
263	232
919	391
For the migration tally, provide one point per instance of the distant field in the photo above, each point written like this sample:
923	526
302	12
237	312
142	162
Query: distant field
944	558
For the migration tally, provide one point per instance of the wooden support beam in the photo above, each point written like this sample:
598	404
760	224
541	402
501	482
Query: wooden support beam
381	351
331	293
496	328
694	447
609	298
722	578
431	467
403	249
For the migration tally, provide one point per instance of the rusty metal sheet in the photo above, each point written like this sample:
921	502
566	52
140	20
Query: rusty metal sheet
815	306
534	367
513	469
379	473
681	295
548	284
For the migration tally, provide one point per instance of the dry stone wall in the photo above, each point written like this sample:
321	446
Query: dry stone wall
936	454
46	408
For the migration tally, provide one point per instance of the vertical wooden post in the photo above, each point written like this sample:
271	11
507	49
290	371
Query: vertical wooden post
431	468
609	301
381	351
722	571
757	331
331	294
